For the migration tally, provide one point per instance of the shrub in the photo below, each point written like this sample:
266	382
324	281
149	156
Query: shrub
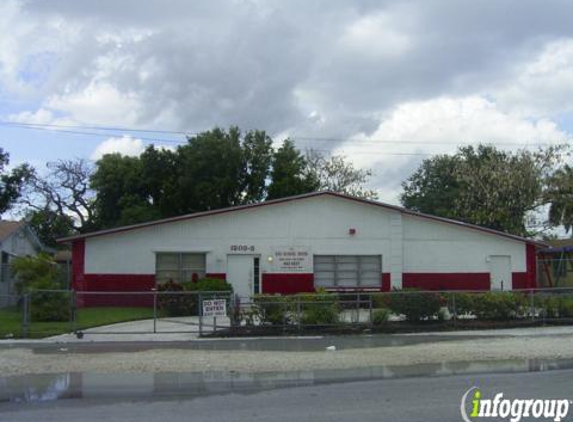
550	305
320	308
176	304
211	285
48	306
565	307
381	300
380	316
443	314
415	306
179	304
464	303
272	309
498	305
30	270
34	276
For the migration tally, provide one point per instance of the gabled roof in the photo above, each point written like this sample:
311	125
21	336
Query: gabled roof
297	198
9	227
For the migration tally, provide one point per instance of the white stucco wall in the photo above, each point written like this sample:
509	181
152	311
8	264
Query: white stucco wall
408	244
319	224
434	247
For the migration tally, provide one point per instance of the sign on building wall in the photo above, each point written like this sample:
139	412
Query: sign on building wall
294	259
215	308
242	248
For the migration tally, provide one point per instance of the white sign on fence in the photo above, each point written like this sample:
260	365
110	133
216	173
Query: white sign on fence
215	308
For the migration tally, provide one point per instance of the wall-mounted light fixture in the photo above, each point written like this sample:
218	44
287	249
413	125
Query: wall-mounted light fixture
270	259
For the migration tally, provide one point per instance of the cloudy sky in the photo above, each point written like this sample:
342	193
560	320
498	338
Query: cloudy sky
387	83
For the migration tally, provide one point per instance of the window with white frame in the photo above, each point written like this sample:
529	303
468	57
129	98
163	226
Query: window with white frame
347	270
178	266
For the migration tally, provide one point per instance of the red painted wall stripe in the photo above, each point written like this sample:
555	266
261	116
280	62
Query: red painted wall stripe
220	276
531	264
78	263
385	282
446	281
287	283
122	283
520	280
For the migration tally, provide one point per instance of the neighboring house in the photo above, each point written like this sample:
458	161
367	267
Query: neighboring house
16	239
300	243
555	264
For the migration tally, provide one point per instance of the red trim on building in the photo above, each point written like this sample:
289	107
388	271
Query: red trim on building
446	281
220	276
78	265
519	281
121	283
287	283
531	264
386	282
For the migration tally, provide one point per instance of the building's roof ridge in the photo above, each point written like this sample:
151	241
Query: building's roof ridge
295	198
8	227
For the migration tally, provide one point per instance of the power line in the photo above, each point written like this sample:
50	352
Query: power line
108	133
293	137
105	128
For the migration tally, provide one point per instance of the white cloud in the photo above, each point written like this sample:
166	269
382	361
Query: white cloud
416	130
41	116
126	145
376	36
543	86
99	104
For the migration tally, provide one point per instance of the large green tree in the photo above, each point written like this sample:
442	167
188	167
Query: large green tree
336	174
290	175
59	202
121	194
559	195
11	182
483	185
215	169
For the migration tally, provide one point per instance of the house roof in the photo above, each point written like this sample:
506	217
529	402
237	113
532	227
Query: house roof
9	227
558	246
296	198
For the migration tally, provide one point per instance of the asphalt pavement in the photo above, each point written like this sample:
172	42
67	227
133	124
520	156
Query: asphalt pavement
407	399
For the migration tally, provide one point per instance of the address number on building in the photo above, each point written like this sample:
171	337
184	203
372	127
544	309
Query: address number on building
242	248
215	308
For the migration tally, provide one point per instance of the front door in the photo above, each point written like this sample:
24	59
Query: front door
243	274
500	272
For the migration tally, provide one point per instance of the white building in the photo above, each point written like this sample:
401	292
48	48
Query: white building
16	239
301	243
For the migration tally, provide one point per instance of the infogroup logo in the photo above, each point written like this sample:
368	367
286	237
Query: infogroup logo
512	409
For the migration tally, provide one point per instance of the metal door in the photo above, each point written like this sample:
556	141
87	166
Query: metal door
242	273
500	272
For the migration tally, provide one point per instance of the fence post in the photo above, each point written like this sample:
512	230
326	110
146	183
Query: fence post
74	306
26	316
532	303
454	309
370	309
298	313
154	310
200	314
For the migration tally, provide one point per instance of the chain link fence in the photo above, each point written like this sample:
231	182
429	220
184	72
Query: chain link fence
44	313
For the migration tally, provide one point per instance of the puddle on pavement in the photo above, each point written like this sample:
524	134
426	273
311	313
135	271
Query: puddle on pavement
284	344
133	386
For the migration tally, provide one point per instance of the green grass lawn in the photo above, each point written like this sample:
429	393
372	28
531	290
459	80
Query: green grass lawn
11	321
